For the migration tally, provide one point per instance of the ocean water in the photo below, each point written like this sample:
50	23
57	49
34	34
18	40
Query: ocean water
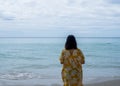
35	61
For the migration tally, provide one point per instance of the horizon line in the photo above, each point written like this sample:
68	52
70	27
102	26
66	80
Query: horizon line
58	37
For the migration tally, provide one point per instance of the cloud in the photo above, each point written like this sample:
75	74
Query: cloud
61	13
26	9
114	1
6	17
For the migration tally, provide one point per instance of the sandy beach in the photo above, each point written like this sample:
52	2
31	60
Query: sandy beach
114	82
105	83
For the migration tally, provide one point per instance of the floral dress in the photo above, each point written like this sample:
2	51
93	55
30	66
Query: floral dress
72	61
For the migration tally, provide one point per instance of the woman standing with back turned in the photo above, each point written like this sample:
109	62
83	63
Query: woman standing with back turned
72	59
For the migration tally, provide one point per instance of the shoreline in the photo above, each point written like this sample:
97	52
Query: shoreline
87	80
115	82
56	82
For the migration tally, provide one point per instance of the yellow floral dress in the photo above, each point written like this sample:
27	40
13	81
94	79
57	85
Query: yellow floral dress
72	61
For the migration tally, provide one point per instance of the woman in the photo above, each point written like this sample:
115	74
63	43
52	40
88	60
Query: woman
72	59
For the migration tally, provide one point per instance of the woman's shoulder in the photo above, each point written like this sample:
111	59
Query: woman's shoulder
65	50
78	49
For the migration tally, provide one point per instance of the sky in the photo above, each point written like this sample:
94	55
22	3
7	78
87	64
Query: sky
59	18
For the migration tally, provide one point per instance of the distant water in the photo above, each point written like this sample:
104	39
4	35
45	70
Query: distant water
36	60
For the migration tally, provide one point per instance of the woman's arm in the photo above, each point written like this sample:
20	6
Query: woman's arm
82	57
61	57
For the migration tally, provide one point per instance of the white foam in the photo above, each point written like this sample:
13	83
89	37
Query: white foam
17	76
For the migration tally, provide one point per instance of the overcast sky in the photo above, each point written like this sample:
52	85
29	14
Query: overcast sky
58	18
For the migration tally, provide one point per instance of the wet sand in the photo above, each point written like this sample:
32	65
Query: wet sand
106	83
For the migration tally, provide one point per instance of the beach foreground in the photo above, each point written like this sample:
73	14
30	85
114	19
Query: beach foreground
115	82
106	83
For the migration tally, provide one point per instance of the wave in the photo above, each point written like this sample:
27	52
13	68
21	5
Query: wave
17	76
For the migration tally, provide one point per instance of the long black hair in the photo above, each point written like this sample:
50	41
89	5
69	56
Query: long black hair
70	42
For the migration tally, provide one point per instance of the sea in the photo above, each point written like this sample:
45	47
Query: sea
34	61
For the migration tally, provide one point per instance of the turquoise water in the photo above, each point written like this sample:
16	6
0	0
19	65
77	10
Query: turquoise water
36	60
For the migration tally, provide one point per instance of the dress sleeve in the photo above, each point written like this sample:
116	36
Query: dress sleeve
61	57
82	58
